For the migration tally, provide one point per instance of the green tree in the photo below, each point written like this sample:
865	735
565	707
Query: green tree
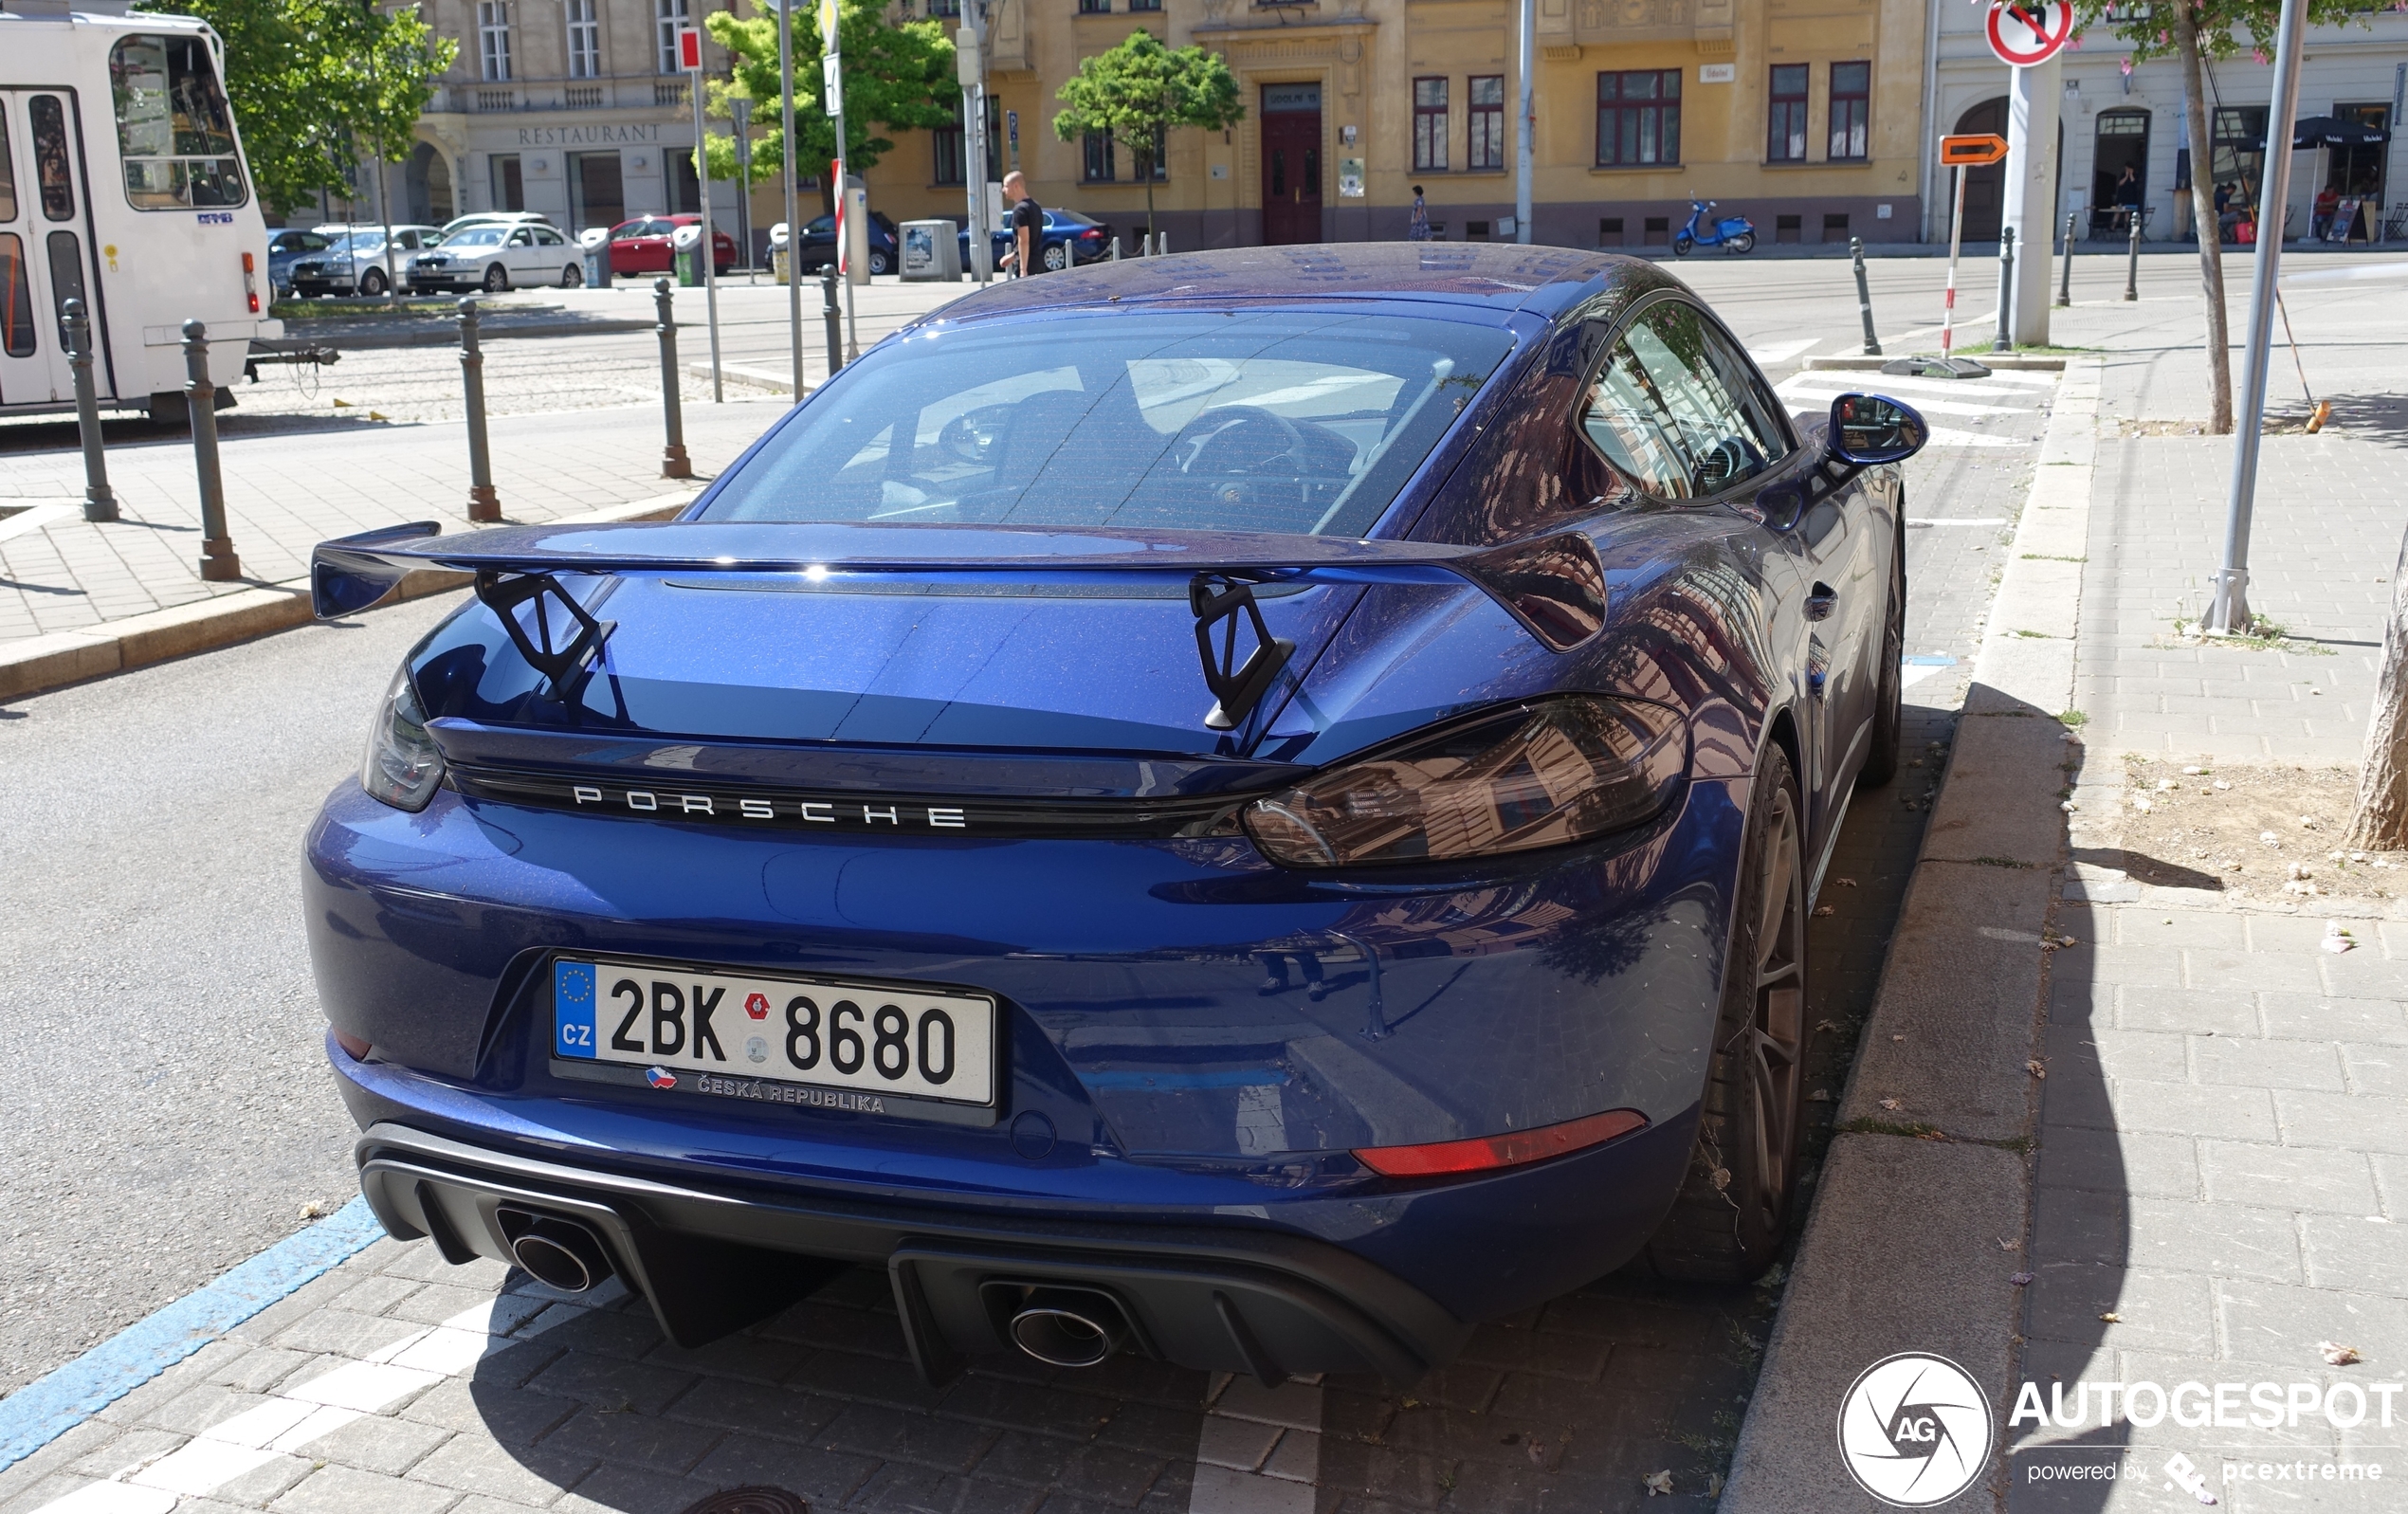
1141	89
2195	31
896	78
315	83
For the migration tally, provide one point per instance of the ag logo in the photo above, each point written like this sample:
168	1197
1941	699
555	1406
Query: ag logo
1914	1429
757	1005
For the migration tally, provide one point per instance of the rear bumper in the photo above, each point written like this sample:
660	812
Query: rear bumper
1241	1301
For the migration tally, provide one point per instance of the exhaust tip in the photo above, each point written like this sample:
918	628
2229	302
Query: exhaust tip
1068	1329
559	1254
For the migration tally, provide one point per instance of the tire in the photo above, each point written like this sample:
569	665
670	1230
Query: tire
1889	711
1744	244
1682	243
879	263
573	277
1728	1223
1057	258
371	284
497	279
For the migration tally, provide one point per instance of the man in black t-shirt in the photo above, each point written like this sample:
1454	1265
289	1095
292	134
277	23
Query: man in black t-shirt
1028	225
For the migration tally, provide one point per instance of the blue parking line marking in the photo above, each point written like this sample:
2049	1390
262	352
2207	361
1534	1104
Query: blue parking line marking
50	1406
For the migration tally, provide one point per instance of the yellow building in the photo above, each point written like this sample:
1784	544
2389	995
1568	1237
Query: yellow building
1802	115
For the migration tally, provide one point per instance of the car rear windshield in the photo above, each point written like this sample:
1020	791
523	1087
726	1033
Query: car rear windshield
1296	421
477	236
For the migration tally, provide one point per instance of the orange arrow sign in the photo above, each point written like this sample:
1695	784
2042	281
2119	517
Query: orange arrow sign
1972	151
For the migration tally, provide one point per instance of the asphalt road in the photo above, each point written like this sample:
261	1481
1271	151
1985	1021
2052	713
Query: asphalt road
168	1114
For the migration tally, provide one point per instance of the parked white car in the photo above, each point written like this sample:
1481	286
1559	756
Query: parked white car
494	256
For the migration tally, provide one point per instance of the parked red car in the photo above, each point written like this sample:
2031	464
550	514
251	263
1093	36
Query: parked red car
642	246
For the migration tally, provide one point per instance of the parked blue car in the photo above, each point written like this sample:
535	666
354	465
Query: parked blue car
1070	238
288	246
1254	808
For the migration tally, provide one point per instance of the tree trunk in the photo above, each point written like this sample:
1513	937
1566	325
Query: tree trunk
2211	232
1145	166
2380	823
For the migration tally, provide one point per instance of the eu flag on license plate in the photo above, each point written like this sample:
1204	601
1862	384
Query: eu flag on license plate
573	1009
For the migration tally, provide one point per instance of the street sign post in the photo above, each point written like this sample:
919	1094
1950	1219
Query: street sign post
2024	34
832	64
689	57
1962	153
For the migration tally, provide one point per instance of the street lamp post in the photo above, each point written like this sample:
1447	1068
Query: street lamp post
384	208
788	163
1523	128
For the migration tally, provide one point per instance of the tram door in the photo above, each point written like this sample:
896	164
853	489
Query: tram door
42	259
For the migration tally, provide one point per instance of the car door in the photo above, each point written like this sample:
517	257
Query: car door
519	254
41	255
552	256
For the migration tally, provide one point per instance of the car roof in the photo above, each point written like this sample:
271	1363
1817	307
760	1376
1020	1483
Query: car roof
1502	277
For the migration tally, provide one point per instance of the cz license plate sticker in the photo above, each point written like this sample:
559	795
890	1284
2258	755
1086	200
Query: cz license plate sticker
818	1043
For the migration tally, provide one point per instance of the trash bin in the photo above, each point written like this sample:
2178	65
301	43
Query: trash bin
931	251
777	253
596	245
686	246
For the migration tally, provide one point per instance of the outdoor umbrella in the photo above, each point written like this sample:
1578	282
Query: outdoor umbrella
2329	130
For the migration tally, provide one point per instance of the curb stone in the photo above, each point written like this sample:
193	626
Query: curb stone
37	664
1902	1249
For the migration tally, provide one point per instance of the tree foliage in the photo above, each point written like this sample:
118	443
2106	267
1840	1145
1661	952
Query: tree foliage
896	78
1141	89
2225	27
318	85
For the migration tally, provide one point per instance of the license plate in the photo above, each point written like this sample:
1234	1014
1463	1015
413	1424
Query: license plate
731	1034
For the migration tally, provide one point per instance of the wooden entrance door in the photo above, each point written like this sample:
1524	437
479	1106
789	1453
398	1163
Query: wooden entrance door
1291	163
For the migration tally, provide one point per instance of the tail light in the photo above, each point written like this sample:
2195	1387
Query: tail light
1487	1153
250	282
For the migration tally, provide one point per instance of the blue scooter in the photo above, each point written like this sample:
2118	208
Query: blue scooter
1733	233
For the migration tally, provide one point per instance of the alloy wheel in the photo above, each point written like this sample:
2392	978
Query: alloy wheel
1775	1036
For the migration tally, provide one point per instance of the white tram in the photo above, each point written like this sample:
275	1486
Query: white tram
123	183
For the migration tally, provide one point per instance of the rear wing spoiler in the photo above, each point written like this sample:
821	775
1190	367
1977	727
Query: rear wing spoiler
1553	585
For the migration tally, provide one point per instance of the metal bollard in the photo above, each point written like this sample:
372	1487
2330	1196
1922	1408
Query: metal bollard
833	313
2065	269
100	500
1116	250
674	463
1864	297
218	562
2132	262
2005	342
483	506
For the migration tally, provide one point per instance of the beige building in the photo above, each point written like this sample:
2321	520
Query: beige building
1802	115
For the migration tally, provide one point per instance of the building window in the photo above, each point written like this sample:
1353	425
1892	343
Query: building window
944	8
952	150
1851	105
1430	123
1488	121
1609	230
1095	8
1788	228
1145	5
1099	168
1834	227
509	190
585	41
1785	137
1640	117
668	19
2239	152
493	39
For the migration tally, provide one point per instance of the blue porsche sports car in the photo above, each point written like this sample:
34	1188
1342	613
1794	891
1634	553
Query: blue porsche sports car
1254	808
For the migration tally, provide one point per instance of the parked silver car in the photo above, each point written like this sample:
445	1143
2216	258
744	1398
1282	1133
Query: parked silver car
355	264
492	256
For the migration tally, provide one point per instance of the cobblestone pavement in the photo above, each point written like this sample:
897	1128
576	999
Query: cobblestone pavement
2223	1158
1566	1407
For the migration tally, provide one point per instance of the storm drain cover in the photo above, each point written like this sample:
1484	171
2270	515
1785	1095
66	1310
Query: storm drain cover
751	1500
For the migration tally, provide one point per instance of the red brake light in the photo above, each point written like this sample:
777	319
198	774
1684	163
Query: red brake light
250	286
1512	1149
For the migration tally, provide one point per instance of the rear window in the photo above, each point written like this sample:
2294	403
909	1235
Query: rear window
173	129
475	236
1289	421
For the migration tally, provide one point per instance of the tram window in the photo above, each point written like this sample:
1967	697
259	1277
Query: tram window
66	276
53	164
16	299
7	178
174	131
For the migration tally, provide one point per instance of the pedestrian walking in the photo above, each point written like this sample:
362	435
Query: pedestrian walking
1028	225
1417	225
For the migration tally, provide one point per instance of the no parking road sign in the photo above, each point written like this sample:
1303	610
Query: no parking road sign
2024	32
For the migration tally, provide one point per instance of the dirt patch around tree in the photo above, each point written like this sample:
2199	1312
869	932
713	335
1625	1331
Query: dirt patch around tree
2256	833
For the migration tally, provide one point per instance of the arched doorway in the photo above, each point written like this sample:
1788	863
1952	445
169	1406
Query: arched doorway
428	177
1984	187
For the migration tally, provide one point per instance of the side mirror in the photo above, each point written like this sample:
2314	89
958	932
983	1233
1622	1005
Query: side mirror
1869	429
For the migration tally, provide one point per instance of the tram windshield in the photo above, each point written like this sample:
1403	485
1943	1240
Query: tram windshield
175	130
